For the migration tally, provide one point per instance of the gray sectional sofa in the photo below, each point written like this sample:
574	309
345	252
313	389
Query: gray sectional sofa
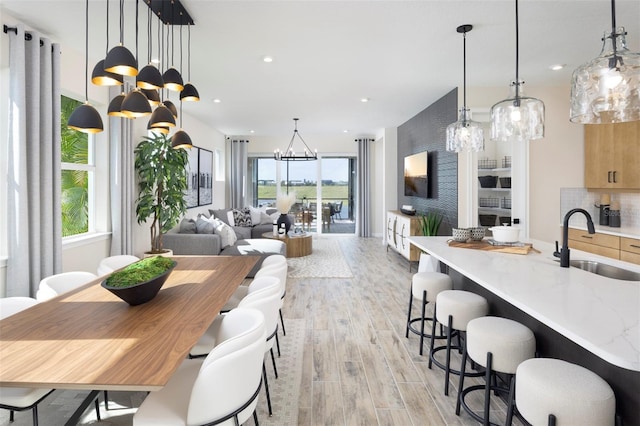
185	240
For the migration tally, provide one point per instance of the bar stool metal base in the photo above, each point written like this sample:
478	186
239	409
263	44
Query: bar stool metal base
421	319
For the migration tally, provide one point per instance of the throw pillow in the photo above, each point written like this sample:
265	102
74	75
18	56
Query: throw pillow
265	219
204	225
255	215
227	236
242	217
187	226
221	214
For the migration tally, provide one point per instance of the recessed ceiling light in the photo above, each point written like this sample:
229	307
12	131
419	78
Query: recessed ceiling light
252	131
364	100
267	59
557	67
217	101
345	131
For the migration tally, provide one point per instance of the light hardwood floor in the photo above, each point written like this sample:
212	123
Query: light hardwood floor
358	367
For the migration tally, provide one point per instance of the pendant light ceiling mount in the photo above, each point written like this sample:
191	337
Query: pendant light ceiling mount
607	89
465	134
290	155
517	118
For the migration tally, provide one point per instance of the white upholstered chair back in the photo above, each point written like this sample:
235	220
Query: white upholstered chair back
278	271
13	305
54	285
111	263
268	302
231	373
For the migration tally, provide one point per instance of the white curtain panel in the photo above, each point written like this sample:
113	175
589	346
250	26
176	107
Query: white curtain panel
363	205
121	179
238	172
33	179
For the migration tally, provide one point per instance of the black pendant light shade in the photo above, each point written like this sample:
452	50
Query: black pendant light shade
172	108
86	119
173	80
162	117
163	130
115	107
136	104
181	139
149	77
100	77
189	93
121	61
152	95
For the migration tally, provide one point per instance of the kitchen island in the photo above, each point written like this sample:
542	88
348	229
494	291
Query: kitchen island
576	315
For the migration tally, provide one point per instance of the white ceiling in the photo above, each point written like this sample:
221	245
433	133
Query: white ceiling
402	55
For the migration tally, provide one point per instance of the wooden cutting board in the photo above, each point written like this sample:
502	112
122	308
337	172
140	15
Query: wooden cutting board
526	248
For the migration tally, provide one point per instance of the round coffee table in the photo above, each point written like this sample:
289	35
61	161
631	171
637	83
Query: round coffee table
297	245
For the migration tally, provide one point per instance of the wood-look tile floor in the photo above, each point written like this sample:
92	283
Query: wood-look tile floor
358	367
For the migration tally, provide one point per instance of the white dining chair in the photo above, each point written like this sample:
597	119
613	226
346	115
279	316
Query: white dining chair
20	399
111	263
279	270
54	285
223	388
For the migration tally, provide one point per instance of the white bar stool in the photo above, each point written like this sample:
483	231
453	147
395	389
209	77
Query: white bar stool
454	309
499	345
425	287
551	390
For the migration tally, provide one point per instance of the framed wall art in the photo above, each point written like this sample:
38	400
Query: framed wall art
205	177
191	196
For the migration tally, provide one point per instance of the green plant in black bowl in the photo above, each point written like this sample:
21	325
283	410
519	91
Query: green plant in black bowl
141	281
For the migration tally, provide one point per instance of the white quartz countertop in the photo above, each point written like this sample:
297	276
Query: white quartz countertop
598	313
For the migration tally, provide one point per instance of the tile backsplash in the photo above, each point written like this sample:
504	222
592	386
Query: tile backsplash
571	198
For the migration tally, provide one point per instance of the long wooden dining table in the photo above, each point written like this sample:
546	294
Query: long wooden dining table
90	339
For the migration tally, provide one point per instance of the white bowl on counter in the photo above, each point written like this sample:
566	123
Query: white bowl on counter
505	234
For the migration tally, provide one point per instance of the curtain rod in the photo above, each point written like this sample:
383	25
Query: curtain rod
27	36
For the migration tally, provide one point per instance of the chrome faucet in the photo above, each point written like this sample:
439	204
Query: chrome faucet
563	254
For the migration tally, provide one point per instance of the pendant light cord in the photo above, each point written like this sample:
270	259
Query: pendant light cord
189	49
137	9
107	48
86	51
517	55
122	22
464	73
149	38
613	26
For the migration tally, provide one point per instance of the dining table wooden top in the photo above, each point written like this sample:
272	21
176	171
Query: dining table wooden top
90	339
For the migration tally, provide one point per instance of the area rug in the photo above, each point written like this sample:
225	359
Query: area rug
59	406
326	261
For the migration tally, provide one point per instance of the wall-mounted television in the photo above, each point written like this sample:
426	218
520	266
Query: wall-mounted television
416	176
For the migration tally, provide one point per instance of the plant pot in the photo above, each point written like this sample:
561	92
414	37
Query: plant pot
165	253
143	292
284	218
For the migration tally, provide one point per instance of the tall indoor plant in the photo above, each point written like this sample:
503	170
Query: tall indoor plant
162	182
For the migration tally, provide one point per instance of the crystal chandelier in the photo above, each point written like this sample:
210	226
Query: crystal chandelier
607	89
465	134
517	118
290	155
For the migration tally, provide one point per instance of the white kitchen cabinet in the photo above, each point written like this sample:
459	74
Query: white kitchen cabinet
399	228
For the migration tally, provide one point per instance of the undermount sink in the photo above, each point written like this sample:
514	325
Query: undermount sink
605	270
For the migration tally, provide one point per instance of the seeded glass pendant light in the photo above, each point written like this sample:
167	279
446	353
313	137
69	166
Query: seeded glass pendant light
607	89
99	76
120	60
517	118
189	93
86	118
465	134
149	76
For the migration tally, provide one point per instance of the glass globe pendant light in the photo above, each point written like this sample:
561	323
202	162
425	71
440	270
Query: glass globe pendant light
465	134
517	118
607	89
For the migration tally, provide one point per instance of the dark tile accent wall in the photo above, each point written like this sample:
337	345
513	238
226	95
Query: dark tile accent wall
426	132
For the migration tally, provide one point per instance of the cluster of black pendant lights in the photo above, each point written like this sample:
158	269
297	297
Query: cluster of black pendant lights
150	82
